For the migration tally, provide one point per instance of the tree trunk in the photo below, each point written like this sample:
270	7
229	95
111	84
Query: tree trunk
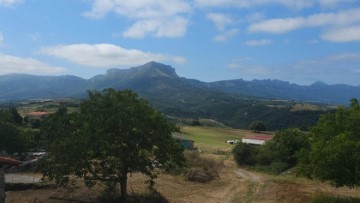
123	186
2	184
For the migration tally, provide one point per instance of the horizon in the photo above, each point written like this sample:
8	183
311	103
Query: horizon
179	76
299	42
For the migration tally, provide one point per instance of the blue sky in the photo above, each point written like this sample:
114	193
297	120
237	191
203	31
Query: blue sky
300	41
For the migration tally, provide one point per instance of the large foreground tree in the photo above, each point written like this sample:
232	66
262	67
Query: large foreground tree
335	151
115	133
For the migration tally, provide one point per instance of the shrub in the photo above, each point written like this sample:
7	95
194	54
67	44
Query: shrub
244	154
198	174
202	169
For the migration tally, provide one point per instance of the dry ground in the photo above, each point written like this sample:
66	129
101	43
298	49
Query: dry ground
234	184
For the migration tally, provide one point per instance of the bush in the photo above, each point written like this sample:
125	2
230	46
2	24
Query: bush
244	154
202	169
278	167
198	174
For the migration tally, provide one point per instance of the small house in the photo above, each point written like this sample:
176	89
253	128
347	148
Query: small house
257	139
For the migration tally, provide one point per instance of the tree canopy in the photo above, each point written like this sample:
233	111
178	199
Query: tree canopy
276	155
335	151
257	126
10	137
115	133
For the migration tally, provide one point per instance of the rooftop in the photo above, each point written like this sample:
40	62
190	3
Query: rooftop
9	161
259	137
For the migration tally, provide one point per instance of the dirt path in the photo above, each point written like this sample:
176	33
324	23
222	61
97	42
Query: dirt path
247	187
250	176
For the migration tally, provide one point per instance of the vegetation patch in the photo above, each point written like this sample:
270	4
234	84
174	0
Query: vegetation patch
323	198
202	169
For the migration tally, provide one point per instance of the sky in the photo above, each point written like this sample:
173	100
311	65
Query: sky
300	41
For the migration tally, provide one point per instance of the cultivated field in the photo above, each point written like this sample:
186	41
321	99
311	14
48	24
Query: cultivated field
233	185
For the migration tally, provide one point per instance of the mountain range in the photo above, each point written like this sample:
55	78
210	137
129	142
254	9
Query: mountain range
158	79
234	103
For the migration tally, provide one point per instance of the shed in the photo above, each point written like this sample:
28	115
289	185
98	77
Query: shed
257	139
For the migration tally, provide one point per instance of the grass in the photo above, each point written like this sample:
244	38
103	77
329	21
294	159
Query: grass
211	137
323	198
306	107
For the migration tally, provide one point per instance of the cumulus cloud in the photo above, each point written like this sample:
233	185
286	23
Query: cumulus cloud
9	3
106	55
342	26
260	42
346	34
175	27
225	36
14	64
277	26
165	18
293	4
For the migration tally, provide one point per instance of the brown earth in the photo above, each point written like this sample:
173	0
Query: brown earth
234	185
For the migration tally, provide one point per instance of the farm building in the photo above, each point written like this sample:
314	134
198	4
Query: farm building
257	139
36	114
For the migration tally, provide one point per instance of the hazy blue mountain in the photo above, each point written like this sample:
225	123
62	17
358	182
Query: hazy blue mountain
235	103
156	79
23	86
276	89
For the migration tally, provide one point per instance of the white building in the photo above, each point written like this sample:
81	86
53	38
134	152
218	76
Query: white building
257	139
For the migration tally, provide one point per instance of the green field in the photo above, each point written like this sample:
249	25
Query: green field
207	137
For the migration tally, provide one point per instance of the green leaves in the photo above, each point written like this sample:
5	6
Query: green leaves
335	152
115	133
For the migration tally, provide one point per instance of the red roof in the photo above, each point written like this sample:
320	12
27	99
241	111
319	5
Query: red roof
9	161
259	137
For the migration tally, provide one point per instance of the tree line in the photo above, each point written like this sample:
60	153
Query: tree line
330	151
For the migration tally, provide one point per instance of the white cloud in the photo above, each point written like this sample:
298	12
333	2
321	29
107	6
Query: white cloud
106	55
343	26
9	3
334	3
14	64
293	4
260	42
341	18
175	27
166	18
277	26
224	36
220	20
346	34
